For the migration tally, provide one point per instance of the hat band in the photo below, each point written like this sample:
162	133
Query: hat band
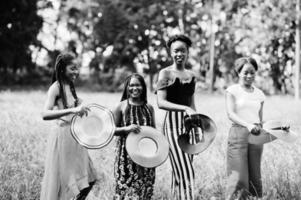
281	128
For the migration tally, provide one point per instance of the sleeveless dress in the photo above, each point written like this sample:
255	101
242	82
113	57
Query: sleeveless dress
69	171
182	170
133	181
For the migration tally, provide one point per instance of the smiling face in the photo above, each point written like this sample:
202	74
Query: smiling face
135	88
72	71
179	52
247	74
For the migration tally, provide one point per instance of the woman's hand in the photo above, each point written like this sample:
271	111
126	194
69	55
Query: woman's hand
81	110
254	129
190	111
133	128
79	101
285	127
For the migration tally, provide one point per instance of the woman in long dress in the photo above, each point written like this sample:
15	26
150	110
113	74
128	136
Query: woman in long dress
133	182
175	94
69	172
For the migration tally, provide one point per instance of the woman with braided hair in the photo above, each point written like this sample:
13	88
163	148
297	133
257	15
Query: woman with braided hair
69	172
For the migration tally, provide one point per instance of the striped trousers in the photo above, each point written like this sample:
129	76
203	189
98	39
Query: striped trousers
181	163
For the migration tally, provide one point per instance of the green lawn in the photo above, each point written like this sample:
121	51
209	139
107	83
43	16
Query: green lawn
23	136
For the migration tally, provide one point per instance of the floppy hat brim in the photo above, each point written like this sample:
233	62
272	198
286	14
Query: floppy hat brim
262	138
287	136
271	130
96	130
137	144
274	128
209	132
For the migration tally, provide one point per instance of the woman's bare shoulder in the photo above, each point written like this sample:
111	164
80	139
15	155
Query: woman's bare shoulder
165	72
54	89
121	106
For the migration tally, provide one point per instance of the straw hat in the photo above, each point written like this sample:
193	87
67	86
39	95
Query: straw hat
200	133
148	148
95	130
271	130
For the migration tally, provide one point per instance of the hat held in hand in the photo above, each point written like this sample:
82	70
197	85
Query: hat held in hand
200	131
271	130
95	130
148	148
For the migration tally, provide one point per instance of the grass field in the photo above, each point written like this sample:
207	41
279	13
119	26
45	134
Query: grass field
23	137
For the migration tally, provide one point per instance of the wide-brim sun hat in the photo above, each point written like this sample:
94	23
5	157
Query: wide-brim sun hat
262	138
95	130
200	133
271	130
148	148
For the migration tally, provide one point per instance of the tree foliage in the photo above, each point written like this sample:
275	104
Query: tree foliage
268	28
19	26
136	31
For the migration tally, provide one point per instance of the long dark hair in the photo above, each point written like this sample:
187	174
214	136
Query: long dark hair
59	75
125	94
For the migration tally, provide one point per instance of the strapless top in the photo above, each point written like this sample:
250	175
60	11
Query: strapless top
178	91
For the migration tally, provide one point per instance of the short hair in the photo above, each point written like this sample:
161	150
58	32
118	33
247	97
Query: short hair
240	62
180	37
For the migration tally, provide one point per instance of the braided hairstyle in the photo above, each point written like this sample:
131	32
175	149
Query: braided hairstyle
59	75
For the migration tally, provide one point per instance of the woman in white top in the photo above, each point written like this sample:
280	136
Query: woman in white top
244	104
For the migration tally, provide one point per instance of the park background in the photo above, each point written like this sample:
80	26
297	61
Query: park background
114	38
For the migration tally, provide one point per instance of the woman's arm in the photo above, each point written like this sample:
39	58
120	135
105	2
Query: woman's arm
193	102
48	112
261	113
192	105
230	108
119	131
153	114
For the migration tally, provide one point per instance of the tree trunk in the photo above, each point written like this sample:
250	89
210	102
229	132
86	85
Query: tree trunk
211	61
297	70
151	81
150	67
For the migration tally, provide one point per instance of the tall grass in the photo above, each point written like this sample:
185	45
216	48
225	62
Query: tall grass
23	137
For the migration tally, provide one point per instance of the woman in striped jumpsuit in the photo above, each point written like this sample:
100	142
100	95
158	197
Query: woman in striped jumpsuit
175	94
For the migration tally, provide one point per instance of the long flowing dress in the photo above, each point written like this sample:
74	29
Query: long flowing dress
133	181
182	169
68	168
